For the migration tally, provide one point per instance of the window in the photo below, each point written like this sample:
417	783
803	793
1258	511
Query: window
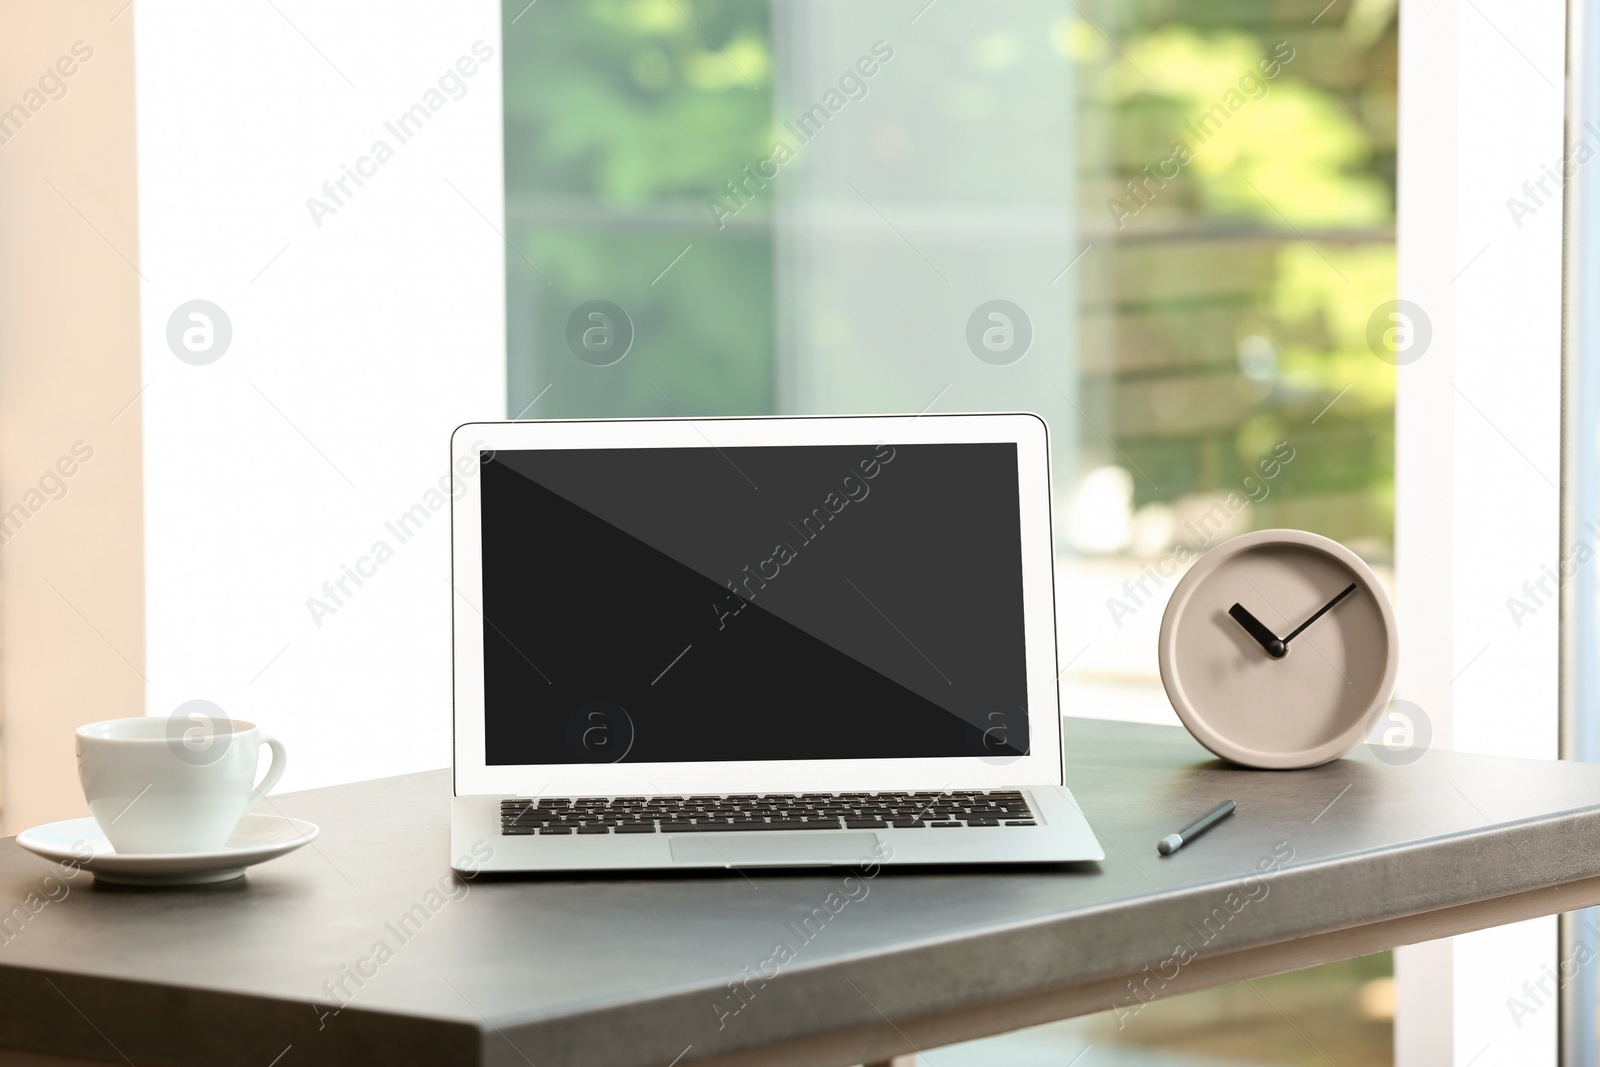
1168	229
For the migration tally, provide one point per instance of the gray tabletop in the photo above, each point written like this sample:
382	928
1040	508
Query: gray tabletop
817	968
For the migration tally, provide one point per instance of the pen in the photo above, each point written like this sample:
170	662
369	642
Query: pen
1173	842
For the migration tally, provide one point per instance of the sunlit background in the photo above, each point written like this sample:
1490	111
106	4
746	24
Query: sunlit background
1187	210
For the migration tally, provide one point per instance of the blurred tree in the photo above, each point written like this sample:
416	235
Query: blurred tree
621	118
1229	314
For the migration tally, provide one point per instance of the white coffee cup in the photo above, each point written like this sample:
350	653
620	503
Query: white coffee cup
178	784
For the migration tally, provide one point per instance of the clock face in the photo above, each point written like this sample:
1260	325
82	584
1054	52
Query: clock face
1278	649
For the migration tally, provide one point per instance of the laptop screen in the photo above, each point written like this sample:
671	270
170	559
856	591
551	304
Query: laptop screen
794	602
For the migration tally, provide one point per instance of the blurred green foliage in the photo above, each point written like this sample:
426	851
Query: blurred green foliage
621	118
1230	312
1278	224
624	102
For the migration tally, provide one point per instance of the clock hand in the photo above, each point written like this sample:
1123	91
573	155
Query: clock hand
1351	588
1252	626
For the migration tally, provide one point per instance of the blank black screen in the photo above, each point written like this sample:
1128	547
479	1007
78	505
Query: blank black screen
768	603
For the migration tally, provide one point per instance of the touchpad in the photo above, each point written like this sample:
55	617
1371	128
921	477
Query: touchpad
790	847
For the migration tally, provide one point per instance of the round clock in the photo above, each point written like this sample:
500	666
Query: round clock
1279	649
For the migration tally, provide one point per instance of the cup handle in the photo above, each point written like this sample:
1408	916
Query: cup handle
280	761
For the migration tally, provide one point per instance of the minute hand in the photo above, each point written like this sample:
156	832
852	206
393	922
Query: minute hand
1351	588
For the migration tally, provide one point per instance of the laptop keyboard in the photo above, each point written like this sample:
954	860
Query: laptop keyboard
746	812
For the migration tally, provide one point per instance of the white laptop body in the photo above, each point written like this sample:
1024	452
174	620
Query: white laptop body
751	642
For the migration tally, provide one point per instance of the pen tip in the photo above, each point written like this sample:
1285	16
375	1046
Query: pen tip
1169	844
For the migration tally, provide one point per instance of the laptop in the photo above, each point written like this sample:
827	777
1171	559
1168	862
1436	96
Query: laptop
756	642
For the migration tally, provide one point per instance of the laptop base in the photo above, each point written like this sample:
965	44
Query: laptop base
1062	835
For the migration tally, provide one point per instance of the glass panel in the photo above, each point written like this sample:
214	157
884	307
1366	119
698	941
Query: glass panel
623	120
1167	228
1237	166
1580	484
1336	1013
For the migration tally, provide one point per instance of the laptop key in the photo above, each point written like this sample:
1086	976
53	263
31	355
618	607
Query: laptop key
754	812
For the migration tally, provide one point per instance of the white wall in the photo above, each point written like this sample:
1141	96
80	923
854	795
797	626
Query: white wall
360	338
71	562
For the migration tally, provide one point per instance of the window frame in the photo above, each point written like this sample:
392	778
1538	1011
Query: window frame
1481	109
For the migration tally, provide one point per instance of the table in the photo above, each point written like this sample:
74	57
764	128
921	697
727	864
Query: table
651	971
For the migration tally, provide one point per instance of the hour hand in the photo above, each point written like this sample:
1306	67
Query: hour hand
1253	626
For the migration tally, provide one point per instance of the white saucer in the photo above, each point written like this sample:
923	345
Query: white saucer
258	838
